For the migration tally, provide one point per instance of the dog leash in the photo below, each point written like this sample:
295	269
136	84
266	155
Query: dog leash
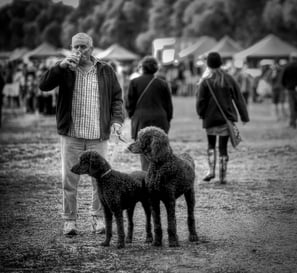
120	137
106	173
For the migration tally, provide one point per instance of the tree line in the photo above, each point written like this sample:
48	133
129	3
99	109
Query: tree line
135	23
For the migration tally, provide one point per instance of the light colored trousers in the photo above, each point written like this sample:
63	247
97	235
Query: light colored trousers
71	149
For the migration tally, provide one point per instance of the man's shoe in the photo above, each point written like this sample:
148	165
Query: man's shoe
70	228
97	225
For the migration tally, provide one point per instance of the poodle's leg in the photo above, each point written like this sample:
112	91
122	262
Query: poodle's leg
157	222
120	228
108	226
172	235
130	212
148	225
190	199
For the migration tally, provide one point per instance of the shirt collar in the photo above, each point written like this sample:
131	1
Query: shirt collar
94	60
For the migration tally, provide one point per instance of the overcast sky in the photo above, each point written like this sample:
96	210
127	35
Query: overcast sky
73	3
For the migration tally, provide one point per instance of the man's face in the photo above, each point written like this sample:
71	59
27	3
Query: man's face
82	45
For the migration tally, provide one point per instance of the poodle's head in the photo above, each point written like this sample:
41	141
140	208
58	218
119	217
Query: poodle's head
91	163
153	143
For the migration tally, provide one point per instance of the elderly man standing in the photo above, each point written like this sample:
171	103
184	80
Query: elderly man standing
89	108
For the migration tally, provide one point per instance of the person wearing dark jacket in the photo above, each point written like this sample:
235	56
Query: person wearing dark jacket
89	109
155	106
2	83
226	91
289	81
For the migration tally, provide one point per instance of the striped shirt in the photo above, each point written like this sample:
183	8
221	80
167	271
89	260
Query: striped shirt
85	111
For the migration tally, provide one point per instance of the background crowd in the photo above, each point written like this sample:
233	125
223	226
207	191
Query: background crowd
20	89
135	25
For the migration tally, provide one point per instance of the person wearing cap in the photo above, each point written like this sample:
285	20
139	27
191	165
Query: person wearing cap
89	109
226	91
155	107
289	81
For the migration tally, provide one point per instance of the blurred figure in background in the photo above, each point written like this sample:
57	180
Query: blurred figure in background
264	86
31	91
2	83
278	91
226	91
12	89
289	81
244	81
148	101
40	105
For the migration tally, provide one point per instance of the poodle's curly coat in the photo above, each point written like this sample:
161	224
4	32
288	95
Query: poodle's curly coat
117	191
169	176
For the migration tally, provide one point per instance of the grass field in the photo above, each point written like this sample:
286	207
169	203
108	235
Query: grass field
247	225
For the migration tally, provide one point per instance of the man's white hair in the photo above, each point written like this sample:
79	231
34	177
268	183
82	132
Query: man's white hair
83	36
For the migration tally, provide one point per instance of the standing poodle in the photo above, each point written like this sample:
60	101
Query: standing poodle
169	176
117	191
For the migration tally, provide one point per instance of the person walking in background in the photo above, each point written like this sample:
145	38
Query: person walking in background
226	91
278	91
31	91
149	101
2	83
244	81
89	108
264	85
12	89
40	105
289	81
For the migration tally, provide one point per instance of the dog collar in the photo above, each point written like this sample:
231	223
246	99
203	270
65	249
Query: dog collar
106	173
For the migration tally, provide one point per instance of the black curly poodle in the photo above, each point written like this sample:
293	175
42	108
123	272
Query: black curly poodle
169	176
117	191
